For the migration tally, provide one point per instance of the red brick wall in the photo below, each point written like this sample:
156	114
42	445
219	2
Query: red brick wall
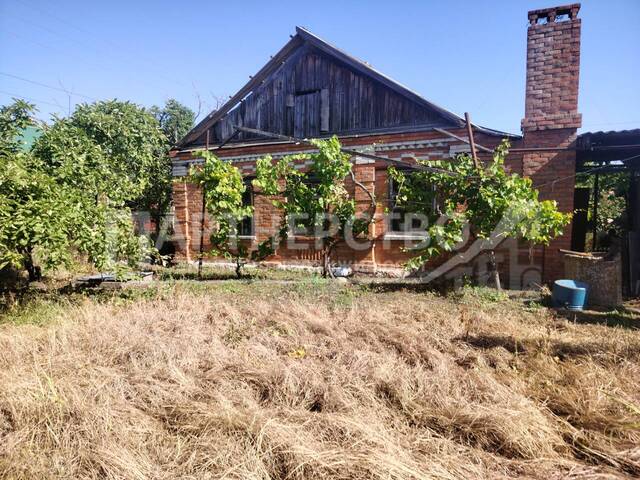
551	121
553	68
382	253
551	116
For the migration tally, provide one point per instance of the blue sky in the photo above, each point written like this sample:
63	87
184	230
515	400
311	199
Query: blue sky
462	55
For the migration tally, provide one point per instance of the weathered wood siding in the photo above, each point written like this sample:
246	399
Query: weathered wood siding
313	94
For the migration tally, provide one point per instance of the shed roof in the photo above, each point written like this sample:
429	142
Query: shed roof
618	148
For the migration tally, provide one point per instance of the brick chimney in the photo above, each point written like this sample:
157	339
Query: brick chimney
553	64
551	114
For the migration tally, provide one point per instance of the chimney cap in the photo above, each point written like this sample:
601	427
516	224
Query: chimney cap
551	13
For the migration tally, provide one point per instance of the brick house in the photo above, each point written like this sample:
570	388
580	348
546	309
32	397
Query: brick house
311	89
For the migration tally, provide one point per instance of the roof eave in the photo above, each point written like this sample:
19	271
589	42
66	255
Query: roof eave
254	81
301	36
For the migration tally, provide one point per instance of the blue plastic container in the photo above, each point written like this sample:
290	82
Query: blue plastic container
570	294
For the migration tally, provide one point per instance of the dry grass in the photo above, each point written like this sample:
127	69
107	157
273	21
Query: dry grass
313	381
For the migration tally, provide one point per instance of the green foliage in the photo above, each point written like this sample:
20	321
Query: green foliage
116	154
223	190
175	119
614	188
34	212
111	149
491	202
39	215
484	294
14	119
611	213
63	197
316	200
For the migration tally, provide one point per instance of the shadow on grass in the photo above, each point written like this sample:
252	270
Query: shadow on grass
611	318
444	287
206	276
554	348
488	342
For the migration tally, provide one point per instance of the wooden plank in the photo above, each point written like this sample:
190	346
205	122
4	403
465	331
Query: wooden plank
353	153
324	110
256	80
474	154
464	140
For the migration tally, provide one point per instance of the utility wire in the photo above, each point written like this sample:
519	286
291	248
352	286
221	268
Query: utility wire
30	99
113	47
34	82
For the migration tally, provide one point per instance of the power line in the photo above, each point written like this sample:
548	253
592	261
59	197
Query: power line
30	99
34	82
81	55
105	42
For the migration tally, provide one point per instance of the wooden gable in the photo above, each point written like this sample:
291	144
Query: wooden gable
316	90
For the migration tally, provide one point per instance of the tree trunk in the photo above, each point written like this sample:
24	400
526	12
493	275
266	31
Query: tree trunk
34	271
327	247
494	270
325	263
238	268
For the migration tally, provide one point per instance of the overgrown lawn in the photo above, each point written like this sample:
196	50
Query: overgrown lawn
312	379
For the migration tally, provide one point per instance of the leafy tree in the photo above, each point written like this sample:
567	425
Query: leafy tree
41	218
14	119
34	213
54	201
119	144
31	209
175	120
317	200
223	190
45	217
116	152
492	203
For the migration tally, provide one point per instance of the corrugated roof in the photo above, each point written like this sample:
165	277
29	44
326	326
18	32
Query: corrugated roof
611	137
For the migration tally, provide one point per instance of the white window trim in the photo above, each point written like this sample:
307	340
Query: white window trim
405	236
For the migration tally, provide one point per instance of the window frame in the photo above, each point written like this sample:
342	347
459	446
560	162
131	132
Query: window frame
249	219
309	230
394	226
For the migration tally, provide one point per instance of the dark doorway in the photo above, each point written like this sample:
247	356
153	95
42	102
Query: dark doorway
307	115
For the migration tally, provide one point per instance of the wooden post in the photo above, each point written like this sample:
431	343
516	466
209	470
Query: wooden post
187	222
596	196
204	206
474	155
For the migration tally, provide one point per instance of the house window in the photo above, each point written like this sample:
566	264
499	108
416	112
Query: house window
302	225
401	221
245	226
